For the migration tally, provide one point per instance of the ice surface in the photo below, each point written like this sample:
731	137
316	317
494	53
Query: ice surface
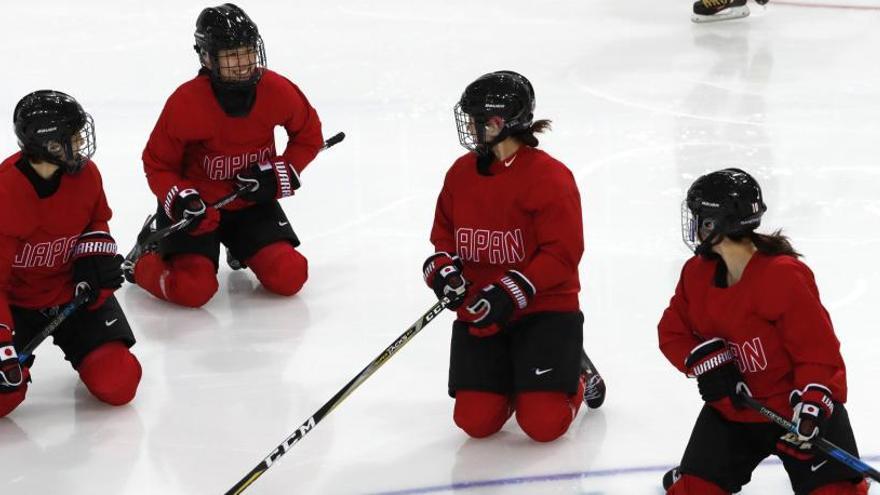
642	102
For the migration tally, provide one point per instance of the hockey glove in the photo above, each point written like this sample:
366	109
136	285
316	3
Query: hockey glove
97	267
443	275
812	408
187	203
11	376
494	305
268	181
717	373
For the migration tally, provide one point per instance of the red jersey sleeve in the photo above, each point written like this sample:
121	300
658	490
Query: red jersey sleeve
101	214
303	130
559	231
163	155
12	229
442	234
675	332
805	327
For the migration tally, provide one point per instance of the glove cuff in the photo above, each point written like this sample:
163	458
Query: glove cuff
815	400
288	179
96	243
435	263
175	200
518	287
708	356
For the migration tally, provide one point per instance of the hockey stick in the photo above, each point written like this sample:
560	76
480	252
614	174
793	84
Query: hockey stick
81	298
181	224
822	444
340	396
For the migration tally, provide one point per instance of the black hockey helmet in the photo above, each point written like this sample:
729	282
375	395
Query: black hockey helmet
503	94
226	28
725	202
52	126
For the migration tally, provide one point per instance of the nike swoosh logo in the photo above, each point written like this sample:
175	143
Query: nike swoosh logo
817	466
508	163
282	224
540	372
110	322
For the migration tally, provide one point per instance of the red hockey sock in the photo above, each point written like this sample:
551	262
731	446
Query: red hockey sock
692	485
111	373
842	488
9	401
481	414
545	416
280	268
186	279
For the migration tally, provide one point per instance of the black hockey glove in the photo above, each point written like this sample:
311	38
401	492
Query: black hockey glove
443	275
812	408
717	373
491	308
268	181
188	203
97	267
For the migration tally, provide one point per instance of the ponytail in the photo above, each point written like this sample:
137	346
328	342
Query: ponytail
774	244
528	138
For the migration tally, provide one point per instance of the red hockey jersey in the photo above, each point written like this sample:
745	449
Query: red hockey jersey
37	235
773	321
525	217
196	144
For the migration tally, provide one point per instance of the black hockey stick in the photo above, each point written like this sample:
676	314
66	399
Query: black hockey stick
225	200
340	396
822	444
181	224
82	297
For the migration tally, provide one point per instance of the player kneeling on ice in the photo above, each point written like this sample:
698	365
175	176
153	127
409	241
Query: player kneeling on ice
509	237
215	136
54	237
746	319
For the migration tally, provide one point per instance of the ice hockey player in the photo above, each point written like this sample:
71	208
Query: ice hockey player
55	241
746	319
508	236
215	135
721	10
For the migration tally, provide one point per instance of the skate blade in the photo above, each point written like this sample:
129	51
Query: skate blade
727	15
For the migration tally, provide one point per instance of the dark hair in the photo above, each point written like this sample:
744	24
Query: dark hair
528	138
773	244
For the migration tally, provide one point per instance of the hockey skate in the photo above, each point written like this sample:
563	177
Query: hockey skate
234	262
594	389
670	478
719	10
142	246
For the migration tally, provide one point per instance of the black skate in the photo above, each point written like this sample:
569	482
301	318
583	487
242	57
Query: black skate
670	477
141	247
594	388
234	262
719	10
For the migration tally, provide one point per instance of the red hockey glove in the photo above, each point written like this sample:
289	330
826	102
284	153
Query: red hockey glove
97	267
443	274
717	373
491	308
268	181
187	203
11	376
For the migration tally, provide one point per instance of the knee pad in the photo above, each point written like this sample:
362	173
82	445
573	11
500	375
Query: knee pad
10	400
545	416
280	268
688	484
191	280
111	373
842	488
481	414
187	279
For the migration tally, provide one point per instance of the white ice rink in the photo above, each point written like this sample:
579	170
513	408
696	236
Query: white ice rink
642	102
